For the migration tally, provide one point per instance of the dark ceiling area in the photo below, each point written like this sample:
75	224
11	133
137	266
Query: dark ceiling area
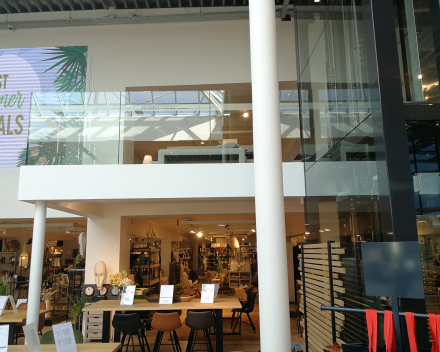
27	6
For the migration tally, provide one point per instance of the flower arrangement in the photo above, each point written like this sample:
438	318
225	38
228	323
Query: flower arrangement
47	293
120	279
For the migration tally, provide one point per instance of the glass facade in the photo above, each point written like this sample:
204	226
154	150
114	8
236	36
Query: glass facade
164	127
343	145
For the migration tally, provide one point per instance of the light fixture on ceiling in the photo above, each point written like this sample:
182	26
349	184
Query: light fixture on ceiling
321	230
148	159
24	258
246	114
307	233
192	231
327	229
316	0
199	234
4	231
253	230
419	76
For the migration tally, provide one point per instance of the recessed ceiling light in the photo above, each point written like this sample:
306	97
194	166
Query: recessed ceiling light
253	230
419	76
245	114
307	233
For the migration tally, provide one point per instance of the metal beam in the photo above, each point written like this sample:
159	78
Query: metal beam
125	3
157	2
71	5
284	9
15	5
60	5
147	4
27	5
81	4
136	4
4	5
48	5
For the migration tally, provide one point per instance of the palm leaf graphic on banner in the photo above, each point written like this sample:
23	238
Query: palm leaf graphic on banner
71	63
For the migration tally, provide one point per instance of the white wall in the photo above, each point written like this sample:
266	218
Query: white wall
11	207
156	181
162	54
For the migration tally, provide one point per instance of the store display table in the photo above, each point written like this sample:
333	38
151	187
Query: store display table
96	347
114	306
8	317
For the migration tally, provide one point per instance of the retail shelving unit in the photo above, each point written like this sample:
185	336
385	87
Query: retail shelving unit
9	262
239	278
142	267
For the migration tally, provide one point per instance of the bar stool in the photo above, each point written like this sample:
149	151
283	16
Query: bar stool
166	322
130	324
199	320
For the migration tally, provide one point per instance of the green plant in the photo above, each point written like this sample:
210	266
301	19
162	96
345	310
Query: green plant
219	266
5	287
76	306
178	291
71	62
79	258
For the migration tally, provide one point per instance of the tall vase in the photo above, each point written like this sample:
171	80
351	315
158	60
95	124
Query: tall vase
47	301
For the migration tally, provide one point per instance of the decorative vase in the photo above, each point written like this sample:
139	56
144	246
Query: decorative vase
47	301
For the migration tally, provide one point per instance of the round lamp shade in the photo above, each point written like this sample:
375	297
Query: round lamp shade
148	159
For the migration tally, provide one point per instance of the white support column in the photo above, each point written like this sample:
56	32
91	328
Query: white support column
269	196
37	256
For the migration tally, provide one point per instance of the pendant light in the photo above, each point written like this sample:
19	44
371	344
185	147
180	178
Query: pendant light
24	257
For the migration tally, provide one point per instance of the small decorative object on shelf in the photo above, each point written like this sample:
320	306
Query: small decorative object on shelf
119	280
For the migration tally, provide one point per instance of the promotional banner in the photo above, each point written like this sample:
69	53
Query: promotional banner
28	70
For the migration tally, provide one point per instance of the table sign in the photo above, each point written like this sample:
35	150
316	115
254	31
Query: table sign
3	301
217	286
14	307
4	335
31	336
20	301
64	337
127	296
166	294
208	291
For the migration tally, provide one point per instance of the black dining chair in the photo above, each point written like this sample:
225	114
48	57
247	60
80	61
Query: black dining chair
247	308
131	325
199	320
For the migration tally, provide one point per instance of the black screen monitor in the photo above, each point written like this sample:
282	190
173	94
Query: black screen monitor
393	269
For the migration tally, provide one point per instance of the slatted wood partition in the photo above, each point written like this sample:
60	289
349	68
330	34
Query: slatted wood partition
315	267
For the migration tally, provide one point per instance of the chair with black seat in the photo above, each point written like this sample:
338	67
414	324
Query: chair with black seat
199	320
146	324
130	324
166	322
247	308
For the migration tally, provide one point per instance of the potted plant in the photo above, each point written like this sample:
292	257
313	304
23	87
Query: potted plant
79	262
75	307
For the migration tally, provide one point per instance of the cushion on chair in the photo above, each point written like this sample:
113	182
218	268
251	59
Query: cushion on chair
166	321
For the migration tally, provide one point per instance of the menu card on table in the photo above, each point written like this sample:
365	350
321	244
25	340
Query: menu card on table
31	336
166	294
4	334
217	286
64	337
3	301
127	296
208	291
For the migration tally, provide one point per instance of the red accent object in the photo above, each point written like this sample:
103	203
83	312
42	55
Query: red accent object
388	331
433	328
411	327
371	316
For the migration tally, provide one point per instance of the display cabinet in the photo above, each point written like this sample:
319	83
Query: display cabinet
145	265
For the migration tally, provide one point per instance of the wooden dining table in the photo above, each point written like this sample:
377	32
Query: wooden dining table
82	347
218	306
10	318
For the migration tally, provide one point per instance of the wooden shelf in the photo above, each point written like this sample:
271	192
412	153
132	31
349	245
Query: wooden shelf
182	249
186	258
153	282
